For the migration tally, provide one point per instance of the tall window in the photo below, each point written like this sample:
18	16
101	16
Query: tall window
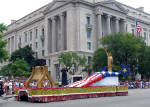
89	45
43	53
88	26
20	40
133	31
30	35
89	59
149	36
126	27
88	33
25	37
36	45
36	33
144	35
42	43
49	62
88	20
31	46
19	44
57	68
43	32
36	54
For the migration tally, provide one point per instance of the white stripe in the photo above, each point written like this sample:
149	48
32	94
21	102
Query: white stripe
90	80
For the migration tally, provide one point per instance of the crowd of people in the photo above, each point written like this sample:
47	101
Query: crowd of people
136	84
8	87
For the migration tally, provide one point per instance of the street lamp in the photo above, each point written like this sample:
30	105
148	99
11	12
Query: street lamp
73	68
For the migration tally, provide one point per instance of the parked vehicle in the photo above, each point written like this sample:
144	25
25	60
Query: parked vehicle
2	78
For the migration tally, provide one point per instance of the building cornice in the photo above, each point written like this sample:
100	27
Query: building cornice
134	9
28	15
23	26
141	21
103	4
94	5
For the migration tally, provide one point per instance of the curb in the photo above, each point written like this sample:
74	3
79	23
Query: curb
7	97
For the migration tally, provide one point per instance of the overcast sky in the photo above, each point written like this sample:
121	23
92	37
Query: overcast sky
16	9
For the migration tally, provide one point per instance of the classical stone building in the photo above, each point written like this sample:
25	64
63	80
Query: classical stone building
73	26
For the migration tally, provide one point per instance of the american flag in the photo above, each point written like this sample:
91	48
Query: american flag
92	79
138	28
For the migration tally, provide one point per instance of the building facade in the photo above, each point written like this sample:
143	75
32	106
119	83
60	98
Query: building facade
73	26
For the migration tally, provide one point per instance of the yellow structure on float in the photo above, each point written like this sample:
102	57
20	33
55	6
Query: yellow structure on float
39	74
109	60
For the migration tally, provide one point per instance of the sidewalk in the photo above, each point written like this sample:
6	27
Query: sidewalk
2	101
5	97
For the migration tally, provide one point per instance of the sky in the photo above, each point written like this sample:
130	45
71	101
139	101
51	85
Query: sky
16	9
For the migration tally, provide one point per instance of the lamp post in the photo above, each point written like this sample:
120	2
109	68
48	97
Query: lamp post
73	68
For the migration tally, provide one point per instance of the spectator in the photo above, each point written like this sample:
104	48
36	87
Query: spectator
10	87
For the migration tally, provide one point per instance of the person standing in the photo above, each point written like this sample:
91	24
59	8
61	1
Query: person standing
10	87
7	87
141	84
64	76
1	88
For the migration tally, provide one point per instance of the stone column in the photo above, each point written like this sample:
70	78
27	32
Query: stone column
108	24
117	24
124	25
99	27
69	29
53	34
10	45
48	39
99	17
15	41
62	31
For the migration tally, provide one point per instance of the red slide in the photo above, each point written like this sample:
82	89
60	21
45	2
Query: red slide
87	81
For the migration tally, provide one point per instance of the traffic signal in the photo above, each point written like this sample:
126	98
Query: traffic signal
133	66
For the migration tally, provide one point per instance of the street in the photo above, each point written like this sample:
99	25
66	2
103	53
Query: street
136	98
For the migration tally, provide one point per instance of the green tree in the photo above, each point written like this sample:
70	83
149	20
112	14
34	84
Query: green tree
124	47
20	63
25	53
99	59
2	28
88	68
17	68
66	59
20	68
6	70
3	52
72	60
144	62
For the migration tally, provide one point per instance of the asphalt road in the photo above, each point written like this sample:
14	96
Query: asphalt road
136	98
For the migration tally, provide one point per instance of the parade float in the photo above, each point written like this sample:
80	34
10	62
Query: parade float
99	84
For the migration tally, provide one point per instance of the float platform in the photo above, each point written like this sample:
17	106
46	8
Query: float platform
45	95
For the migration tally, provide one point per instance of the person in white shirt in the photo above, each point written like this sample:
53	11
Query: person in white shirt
10	87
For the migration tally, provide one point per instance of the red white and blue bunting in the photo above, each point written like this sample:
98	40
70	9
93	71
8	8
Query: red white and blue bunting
93	79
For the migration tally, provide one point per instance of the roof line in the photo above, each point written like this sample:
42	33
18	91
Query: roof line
29	14
134	8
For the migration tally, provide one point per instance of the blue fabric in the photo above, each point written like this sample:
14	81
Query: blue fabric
107	74
103	69
125	70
